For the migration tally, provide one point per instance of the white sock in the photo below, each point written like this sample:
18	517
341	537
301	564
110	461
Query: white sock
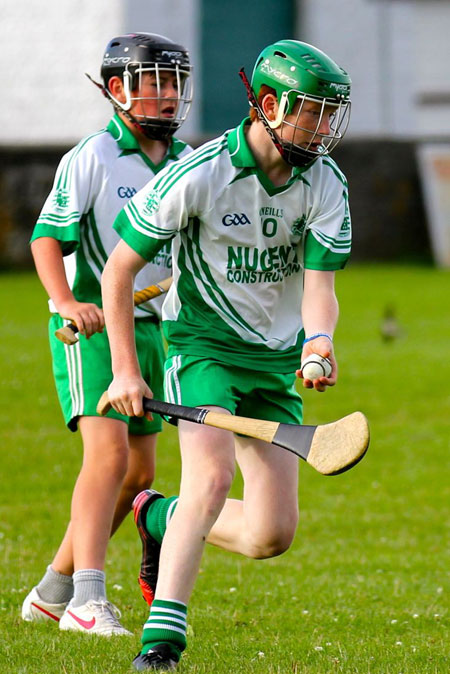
89	584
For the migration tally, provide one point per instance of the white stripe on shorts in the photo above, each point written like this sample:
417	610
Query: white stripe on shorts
75	372
170	511
172	383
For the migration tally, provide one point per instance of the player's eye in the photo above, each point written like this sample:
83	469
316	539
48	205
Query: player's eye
314	114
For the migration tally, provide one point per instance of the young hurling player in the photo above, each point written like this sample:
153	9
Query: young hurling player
262	219
147	78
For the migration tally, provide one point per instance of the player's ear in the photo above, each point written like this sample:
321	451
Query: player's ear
269	105
115	86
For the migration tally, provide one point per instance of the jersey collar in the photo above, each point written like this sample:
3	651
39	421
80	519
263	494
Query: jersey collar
240	154
126	140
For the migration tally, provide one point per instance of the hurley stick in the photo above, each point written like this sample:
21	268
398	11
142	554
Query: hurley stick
67	334
330	448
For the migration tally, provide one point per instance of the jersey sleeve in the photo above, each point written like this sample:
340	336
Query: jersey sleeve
329	235
71	196
158	212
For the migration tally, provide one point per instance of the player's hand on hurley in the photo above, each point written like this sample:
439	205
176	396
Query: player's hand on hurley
126	394
323	347
88	317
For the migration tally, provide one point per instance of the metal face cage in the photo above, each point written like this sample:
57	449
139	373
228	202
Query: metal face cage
157	125
316	144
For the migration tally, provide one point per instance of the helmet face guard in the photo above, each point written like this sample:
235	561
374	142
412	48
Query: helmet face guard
299	73
309	150
157	127
132	58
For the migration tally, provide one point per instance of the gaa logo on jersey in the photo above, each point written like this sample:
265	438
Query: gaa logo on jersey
152	203
61	199
235	219
125	192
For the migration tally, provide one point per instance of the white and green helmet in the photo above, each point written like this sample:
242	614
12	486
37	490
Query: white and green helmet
297	71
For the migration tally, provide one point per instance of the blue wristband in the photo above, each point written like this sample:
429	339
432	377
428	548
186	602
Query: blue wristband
318	334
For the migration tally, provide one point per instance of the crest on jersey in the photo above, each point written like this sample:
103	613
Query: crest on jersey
61	199
298	226
152	203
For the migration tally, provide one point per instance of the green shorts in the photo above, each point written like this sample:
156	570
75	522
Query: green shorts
195	381
83	372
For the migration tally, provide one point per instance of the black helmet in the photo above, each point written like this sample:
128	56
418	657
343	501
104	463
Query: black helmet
132	55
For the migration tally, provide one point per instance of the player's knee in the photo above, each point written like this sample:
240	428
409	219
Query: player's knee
272	541
143	481
214	490
137	482
113	460
269	547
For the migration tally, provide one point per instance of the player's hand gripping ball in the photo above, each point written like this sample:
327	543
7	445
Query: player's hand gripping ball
315	366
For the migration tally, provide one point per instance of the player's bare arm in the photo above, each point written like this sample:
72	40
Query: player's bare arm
320	311
128	387
48	258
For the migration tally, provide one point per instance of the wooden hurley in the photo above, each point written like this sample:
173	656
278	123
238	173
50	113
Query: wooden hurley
68	333
330	448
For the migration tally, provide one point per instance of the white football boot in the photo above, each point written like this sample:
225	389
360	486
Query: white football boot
94	617
35	609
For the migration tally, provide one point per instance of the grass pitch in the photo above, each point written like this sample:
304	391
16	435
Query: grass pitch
364	588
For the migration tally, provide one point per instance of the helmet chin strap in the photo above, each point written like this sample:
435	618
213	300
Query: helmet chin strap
291	154
148	132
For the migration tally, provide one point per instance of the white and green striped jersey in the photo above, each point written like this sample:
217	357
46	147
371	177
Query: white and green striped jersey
92	183
240	248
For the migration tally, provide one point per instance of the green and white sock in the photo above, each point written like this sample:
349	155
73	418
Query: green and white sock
158	516
166	624
55	587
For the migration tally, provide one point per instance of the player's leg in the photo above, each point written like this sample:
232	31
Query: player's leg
82	372
208	466
139	476
105	457
207	472
49	599
263	524
83	549
105	461
141	465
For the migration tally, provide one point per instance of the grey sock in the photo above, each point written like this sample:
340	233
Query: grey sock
55	587
88	584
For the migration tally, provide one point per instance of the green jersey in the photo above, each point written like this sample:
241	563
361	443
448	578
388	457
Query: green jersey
92	183
240	249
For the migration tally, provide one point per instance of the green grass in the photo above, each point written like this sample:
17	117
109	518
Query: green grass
364	588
